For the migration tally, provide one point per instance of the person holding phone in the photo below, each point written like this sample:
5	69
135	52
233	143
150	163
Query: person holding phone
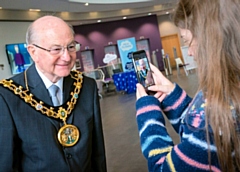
208	124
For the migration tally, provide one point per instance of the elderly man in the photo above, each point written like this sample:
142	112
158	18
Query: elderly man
50	117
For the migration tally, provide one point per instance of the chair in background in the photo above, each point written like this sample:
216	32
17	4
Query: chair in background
99	77
100	81
108	84
179	64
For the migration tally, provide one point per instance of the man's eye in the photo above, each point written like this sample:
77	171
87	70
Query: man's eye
71	46
56	49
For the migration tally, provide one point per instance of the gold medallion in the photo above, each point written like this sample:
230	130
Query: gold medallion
68	135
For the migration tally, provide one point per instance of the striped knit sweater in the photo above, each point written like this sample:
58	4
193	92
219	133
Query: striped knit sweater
187	117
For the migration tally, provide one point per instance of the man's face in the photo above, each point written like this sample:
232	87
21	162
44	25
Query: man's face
142	64
54	66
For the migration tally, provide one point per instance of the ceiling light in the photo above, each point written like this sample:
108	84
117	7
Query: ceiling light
99	21
86	4
124	17
125	10
167	12
93	14
149	14
109	1
34	10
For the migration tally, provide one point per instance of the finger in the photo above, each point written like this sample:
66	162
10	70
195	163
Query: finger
140	91
155	78
162	97
158	77
158	94
137	94
161	88
156	71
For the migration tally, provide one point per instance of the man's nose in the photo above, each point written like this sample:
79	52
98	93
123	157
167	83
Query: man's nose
65	55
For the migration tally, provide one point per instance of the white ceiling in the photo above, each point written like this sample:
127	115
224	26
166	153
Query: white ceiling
109	1
65	5
73	11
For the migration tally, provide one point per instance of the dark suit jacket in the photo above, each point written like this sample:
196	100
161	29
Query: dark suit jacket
29	138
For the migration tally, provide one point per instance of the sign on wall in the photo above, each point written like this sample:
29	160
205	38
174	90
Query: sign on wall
87	60
143	44
111	49
126	47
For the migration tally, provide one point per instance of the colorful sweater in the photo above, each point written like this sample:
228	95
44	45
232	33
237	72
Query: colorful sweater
187	117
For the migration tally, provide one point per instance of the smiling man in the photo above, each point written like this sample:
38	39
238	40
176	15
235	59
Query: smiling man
50	116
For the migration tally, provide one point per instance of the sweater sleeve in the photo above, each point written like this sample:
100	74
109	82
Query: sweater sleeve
174	105
158	148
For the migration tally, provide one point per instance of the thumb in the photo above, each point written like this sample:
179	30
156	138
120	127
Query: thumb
140	91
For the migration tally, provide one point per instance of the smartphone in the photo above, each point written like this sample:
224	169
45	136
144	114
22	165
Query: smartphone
142	68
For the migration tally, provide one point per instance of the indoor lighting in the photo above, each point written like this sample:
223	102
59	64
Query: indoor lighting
124	17
125	11
86	4
99	21
93	14
109	1
0	8
167	12
149	14
34	10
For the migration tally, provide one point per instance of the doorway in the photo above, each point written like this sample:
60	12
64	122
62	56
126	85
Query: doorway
168	43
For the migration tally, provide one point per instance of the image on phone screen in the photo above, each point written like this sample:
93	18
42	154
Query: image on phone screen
142	68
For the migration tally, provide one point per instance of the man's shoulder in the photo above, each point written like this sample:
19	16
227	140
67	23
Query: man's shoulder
19	78
16	80
89	80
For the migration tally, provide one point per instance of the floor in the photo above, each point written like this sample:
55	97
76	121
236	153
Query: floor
120	127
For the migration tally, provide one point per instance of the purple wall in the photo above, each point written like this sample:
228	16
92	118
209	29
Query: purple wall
96	36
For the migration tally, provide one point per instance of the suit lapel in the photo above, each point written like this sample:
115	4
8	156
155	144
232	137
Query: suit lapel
67	87
36	85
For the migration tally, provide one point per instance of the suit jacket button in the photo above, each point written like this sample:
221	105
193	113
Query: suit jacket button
69	156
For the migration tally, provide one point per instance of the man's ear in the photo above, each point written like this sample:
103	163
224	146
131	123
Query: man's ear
33	53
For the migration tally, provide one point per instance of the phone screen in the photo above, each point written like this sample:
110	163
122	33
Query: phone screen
142	68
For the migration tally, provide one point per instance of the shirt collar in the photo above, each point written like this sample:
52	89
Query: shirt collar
47	82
